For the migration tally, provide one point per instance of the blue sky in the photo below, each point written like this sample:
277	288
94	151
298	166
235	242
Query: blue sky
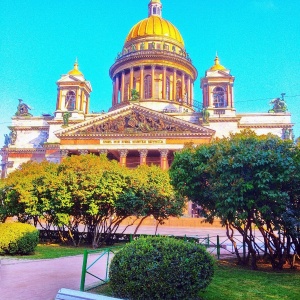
258	40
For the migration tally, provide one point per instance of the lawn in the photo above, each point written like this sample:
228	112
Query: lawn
46	251
232	282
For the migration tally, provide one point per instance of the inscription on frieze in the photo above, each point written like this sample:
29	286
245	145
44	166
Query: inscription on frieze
159	141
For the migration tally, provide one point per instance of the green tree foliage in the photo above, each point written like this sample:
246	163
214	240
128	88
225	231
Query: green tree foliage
150	193
246	180
87	190
160	268
18	238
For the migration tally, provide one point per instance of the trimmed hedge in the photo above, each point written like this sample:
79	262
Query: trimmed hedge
18	238
160	268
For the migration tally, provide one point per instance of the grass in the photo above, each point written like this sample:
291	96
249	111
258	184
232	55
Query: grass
232	282
46	251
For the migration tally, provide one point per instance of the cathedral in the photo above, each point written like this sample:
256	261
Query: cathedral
153	113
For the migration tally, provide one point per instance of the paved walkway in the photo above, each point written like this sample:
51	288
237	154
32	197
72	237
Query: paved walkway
41	279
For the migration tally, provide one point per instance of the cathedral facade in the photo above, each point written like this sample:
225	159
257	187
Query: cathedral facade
153	113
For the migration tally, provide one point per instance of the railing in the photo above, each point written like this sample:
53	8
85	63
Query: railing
100	274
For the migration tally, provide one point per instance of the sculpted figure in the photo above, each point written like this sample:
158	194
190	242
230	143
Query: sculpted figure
22	109
66	117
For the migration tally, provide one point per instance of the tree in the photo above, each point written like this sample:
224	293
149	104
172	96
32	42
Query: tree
23	191
86	190
152	194
245	180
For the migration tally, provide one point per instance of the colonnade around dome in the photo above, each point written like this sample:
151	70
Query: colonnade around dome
158	84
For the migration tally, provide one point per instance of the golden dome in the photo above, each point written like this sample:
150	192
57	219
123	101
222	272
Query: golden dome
75	71
217	65
155	26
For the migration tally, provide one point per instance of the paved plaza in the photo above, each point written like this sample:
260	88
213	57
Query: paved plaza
41	279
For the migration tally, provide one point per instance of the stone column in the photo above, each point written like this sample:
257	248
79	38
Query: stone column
114	91
142	96
152	81
87	103
143	156
188	99
123	155
63	154
192	94
117	88
164	158
131	82
231	95
164	82
58	103
122	86
77	100
182	87
174	85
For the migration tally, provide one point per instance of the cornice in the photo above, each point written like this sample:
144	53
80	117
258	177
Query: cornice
61	122
25	150
266	125
228	119
51	145
152	55
29	128
138	135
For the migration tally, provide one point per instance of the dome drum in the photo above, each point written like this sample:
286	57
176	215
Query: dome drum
138	58
155	84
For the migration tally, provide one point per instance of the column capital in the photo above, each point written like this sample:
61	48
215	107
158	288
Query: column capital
103	151
64	152
83	151
123	152
143	152
163	152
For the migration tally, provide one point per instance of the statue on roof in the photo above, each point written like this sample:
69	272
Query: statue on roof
23	109
66	117
279	105
205	115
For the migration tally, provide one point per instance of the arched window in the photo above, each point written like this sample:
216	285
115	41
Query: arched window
70	101
154	10
148	86
219	97
178	90
168	88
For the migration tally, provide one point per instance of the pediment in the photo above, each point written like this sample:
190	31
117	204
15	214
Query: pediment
219	73
134	120
71	78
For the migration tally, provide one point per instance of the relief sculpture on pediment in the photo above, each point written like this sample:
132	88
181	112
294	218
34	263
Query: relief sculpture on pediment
133	123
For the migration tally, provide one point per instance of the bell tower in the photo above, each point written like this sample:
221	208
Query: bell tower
73	94
217	90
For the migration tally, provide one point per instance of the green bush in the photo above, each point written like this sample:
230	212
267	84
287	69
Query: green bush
18	238
160	268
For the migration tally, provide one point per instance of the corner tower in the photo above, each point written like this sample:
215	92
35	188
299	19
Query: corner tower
73	94
217	89
153	67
